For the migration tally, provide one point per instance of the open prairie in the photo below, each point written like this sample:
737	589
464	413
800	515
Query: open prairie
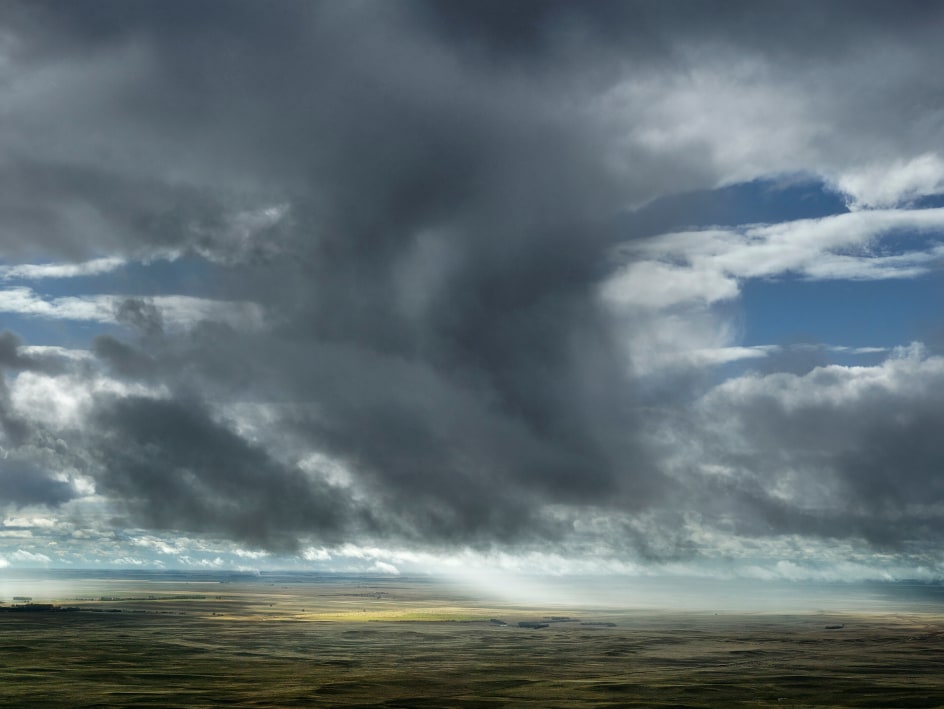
397	643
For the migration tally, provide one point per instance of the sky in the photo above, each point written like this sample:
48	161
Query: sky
444	287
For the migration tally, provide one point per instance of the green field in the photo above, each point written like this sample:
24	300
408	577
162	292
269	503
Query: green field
419	645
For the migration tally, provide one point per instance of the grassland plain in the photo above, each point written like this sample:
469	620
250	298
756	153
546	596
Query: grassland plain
398	644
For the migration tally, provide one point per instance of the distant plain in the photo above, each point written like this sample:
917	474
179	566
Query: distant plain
362	642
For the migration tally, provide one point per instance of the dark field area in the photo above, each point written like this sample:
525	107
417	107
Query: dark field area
399	644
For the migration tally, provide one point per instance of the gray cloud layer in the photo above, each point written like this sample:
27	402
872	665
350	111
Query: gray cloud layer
442	181
831	454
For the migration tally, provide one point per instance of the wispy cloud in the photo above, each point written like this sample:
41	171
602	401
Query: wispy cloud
95	267
177	311
707	265
885	185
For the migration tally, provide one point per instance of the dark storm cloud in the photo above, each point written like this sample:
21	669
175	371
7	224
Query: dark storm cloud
171	467
13	358
22	484
142	315
436	301
432	290
10	352
127	360
124	359
534	30
71	210
24	481
15	429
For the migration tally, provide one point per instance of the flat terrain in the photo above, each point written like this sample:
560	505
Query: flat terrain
402	644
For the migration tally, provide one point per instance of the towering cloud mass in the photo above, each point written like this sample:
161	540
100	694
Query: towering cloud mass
438	275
